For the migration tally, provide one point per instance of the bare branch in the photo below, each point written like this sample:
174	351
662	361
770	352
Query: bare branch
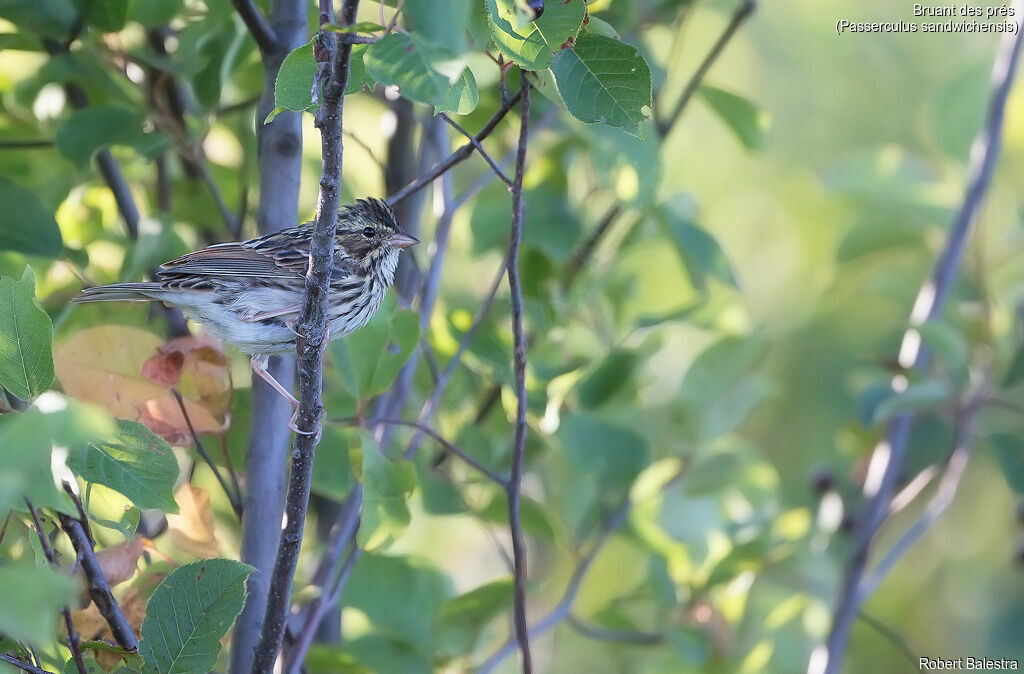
620	636
440	439
479	148
23	666
99	588
312	325
234	498
519	365
265	37
73	642
887	458
455	157
563	610
739	15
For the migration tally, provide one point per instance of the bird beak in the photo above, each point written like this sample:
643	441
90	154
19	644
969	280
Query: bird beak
402	240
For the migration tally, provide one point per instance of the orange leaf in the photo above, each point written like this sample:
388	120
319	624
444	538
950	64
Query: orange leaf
127	370
191	530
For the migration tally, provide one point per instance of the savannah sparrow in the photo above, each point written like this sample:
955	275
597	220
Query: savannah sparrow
249	294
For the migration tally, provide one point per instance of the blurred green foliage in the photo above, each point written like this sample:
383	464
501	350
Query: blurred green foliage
704	389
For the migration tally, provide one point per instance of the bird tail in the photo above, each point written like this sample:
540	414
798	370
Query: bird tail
122	291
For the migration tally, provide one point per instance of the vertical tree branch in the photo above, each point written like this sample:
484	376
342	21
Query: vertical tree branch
519	362
279	149
888	456
312	327
73	643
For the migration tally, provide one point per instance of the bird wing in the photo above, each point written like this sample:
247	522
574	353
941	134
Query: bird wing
282	255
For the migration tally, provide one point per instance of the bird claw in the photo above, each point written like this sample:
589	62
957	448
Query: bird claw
318	431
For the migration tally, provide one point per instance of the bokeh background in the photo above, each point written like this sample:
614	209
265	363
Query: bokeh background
758	356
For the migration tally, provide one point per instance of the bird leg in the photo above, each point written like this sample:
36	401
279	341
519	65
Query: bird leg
259	366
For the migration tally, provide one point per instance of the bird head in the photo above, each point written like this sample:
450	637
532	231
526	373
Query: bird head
368	228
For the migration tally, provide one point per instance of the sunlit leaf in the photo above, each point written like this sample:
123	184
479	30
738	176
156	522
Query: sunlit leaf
531	44
26	364
190	613
604	80
443	22
104	365
412	64
135	462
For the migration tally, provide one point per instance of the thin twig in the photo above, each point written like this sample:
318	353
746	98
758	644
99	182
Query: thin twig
312	325
891	635
25	144
519	365
621	636
440	439
231	221
739	15
455	157
479	148
939	503
73	642
262	33
234	498
23	666
888	456
582	255
99	588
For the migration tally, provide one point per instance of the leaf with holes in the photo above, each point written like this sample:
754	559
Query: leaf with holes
136	463
26	363
604	80
415	66
190	613
532	43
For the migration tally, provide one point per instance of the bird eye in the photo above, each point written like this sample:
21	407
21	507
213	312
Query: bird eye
369	232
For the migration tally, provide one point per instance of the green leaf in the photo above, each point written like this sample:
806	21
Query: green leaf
461	620
190	613
699	251
107	16
52	18
26	360
150	13
601	383
1009	451
411	64
32	598
294	85
26	441
604	80
386	488
369	359
442	22
917	397
96	127
748	123
398	594
26	226
615	453
91	666
332	469
531	44
535	519
136	463
948	345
